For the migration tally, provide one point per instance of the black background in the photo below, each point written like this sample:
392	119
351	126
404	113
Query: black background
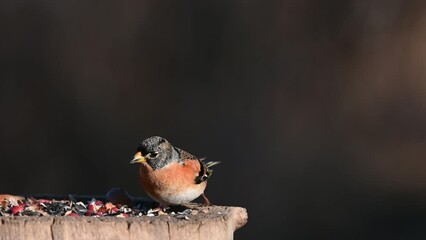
316	109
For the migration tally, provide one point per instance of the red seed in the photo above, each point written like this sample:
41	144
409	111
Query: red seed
98	202
102	210
113	210
122	215
16	209
91	208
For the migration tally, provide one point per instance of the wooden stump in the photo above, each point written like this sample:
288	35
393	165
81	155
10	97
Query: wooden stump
215	222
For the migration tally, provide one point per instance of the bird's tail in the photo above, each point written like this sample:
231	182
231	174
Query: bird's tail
208	166
211	164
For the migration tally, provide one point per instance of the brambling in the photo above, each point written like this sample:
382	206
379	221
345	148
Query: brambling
170	175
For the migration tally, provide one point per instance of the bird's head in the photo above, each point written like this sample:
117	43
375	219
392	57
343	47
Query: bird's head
155	151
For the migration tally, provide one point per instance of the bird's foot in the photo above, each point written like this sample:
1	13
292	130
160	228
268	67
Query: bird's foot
190	205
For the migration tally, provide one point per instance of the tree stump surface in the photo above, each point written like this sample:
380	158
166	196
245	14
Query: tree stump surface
211	223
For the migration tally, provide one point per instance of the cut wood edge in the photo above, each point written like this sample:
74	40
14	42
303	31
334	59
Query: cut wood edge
219	222
240	217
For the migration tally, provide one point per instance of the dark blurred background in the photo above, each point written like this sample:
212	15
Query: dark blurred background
317	109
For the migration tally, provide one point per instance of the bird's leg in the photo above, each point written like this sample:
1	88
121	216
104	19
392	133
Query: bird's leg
206	200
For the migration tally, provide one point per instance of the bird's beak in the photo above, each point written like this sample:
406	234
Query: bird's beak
138	158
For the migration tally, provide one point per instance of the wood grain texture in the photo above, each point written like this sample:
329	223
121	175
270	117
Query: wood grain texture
219	223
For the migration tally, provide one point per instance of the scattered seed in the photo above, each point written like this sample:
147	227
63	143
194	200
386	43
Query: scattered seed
92	208
185	212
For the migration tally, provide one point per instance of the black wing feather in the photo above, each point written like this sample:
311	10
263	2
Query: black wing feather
205	171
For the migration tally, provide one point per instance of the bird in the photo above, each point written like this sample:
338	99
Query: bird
170	175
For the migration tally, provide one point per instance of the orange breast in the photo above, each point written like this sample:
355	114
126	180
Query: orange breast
167	183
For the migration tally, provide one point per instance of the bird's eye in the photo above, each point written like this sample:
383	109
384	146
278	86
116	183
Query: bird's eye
152	155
